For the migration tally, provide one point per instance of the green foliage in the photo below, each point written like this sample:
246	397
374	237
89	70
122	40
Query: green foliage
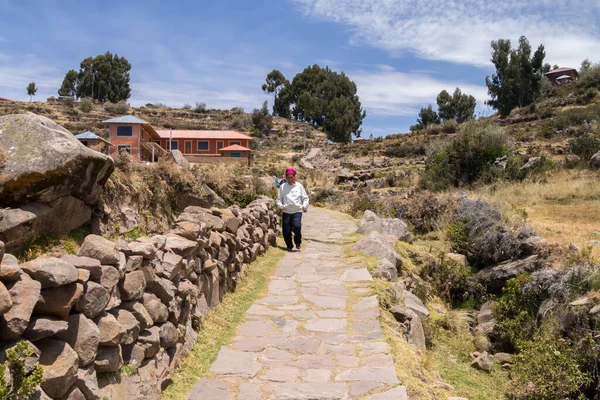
31	89
321	97
450	126
585	146
104	78
547	368
590	76
22	385
399	149
516	312
570	118
119	108
518	76
426	117
261	119
86	105
459	107
200	108
242	122
458	235
462	161
426	211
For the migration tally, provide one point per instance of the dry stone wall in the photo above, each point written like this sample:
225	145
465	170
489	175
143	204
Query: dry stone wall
139	303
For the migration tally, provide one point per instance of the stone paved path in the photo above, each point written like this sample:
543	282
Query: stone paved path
316	334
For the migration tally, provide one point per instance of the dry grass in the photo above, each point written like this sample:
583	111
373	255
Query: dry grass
564	208
219	327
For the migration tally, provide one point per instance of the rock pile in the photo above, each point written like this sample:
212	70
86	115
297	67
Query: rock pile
137	303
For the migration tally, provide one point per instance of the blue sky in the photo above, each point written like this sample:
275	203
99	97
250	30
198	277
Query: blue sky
400	53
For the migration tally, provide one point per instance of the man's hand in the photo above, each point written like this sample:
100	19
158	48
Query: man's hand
305	209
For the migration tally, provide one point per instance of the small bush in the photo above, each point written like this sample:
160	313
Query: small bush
480	231
425	211
22	385
434	129
585	146
237	110
450	126
405	150
200	107
86	105
123	161
118	108
242	122
547	368
590	78
160	105
69	102
187	106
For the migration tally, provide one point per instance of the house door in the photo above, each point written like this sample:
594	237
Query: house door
188	146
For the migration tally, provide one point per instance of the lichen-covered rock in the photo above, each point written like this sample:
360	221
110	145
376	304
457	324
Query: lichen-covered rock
94	300
483	362
101	249
392	226
83	336
60	364
25	293
377	245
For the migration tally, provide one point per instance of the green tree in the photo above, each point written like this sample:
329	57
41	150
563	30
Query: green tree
69	84
459	106
321	97
517	80
585	66
104	78
261	119
31	89
279	87
427	116
22	385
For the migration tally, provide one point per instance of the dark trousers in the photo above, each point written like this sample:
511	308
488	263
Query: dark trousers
292	223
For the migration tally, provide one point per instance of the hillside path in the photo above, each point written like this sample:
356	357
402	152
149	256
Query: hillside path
315	335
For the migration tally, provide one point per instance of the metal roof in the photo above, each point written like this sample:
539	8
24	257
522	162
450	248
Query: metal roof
87	135
126	119
235	147
557	70
188	134
564	77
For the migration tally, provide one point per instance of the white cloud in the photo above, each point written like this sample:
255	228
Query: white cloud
403	94
460	31
16	72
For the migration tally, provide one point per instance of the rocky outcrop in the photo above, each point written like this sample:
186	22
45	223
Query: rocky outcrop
494	278
379	246
595	161
135	303
394	227
177	157
49	179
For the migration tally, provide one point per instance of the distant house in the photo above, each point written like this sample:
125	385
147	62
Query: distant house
359	140
144	143
90	139
4	99
560	76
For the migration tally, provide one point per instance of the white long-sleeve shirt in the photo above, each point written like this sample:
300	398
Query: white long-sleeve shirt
292	198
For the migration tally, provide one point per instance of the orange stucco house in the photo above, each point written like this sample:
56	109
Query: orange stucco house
138	138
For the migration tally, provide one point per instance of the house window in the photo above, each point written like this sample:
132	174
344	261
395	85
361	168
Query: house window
236	154
232	143
219	145
174	145
124	148
202	146
124	130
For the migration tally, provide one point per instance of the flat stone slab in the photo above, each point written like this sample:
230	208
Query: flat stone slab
281	374
317	375
370	313
398	393
368	325
235	363
249	391
332	314
326	302
371	374
312	362
257	309
279	300
308	391
256	328
326	324
366	303
360	388
356	275
373	348
213	389
300	345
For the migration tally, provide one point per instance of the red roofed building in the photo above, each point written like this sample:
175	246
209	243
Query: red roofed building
144	143
560	76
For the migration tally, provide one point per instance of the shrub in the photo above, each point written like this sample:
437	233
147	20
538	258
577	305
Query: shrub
361	204
516	312
158	104
450	126
237	110
200	107
69	102
480	231
547	368
462	161
123	161
86	105
426	210
242	122
405	150
590	78
585	146
186	106
118	108
22	385
434	129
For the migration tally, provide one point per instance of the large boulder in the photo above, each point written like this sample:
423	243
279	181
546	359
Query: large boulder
46	162
390	226
179	159
50	175
25	294
60	364
101	249
51	272
494	278
378	246
595	161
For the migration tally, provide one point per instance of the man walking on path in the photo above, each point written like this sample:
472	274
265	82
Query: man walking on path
293	200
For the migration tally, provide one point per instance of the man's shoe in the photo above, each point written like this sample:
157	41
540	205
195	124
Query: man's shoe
298	248
290	249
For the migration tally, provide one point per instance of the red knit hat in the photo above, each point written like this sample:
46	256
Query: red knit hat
290	171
